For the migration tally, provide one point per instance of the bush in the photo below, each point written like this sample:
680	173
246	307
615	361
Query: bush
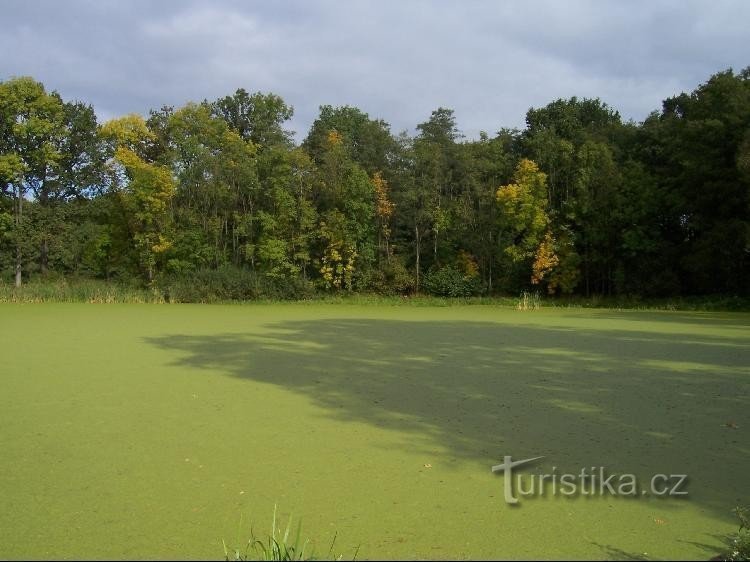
450	282
210	285
231	284
391	278
285	288
739	544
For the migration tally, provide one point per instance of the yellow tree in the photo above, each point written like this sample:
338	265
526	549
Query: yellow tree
383	211
144	188
545	261
346	203
525	234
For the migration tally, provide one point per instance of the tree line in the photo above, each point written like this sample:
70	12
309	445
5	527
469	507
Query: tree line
579	201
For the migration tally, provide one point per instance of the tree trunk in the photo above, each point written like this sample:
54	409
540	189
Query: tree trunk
491	259
44	256
18	266
416	232
44	246
19	216
435	246
586	267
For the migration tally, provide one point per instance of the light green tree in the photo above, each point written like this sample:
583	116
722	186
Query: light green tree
31	128
144	189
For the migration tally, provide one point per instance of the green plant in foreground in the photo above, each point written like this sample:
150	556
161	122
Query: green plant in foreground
277	545
739	544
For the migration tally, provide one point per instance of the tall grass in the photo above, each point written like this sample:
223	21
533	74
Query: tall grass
225	288
78	290
277	545
529	301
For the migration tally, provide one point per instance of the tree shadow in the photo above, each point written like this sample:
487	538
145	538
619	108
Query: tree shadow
702	318
635	402
613	553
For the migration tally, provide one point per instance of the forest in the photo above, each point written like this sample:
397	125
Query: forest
217	197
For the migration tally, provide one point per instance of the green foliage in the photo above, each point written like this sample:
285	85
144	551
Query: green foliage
229	283
450	282
211	285
739	544
257	117
390	278
578	203
6	227
278	545
368	142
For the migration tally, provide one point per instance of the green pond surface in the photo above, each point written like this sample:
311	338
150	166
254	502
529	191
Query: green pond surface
140	431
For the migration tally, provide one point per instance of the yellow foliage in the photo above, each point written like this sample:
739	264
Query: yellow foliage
334	138
151	185
338	266
545	260
383	206
162	245
523	205
467	264
130	130
528	173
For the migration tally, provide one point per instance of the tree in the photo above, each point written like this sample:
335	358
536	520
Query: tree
487	163
144	188
383	212
692	147
437	183
31	128
368	142
288	218
217	196
346	205
256	117
524	220
77	172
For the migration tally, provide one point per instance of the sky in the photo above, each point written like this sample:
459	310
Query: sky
490	61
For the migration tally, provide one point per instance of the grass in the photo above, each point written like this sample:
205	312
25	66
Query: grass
96	291
62	290
148	430
278	545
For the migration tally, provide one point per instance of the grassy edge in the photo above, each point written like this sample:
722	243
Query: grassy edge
101	292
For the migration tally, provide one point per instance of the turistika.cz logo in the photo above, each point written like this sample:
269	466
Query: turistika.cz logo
590	481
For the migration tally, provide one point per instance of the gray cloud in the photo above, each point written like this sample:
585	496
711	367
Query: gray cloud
489	61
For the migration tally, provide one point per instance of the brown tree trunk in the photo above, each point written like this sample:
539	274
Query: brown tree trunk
44	257
435	246
44	246
19	216
416	232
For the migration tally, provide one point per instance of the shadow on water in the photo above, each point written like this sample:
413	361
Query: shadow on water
635	402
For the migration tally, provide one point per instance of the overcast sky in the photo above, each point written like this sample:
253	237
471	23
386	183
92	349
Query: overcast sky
396	60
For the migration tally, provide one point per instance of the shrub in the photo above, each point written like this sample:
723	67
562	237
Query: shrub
450	282
391	278
229	283
210	285
739	544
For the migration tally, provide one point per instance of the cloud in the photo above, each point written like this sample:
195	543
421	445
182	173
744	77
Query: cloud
489	61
